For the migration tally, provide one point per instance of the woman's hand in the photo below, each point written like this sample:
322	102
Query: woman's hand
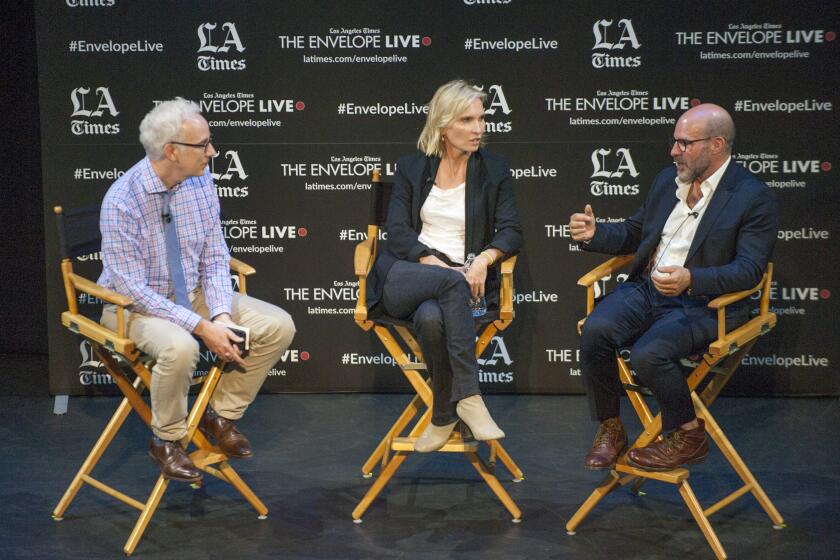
476	275
433	260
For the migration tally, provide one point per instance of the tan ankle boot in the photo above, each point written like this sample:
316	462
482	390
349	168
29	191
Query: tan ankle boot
434	437
476	416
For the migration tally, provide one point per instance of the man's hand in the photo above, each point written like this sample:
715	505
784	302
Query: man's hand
671	280
582	226
433	260
219	339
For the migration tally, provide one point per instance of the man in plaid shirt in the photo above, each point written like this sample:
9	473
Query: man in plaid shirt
172	184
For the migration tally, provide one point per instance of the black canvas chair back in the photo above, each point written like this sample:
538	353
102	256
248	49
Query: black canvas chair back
78	231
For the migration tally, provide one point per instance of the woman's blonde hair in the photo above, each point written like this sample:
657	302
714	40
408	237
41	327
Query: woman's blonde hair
450	100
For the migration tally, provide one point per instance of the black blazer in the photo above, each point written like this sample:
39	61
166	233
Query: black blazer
491	220
733	242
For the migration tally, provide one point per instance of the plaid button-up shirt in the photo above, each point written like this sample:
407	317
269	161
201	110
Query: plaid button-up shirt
134	244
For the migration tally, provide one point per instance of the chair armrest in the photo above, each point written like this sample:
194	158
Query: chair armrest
726	299
720	303
363	259
240	267
506	289
363	264
607	268
242	271
84	285
604	269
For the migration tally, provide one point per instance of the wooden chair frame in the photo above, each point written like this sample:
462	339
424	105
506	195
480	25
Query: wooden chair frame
113	347
409	359
722	358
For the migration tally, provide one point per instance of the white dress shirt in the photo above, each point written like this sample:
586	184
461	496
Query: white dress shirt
681	226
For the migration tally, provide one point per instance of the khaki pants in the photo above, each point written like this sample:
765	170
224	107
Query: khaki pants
175	352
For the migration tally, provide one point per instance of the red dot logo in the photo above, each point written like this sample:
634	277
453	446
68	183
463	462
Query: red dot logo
825	166
428	40
830	36
303	232
304	355
695	102
825	293
300	105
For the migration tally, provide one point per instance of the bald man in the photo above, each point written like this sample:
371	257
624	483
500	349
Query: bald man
707	227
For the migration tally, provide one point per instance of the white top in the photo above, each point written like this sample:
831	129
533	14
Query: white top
681	226
443	216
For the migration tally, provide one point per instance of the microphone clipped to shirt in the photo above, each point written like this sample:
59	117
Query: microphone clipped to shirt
694	214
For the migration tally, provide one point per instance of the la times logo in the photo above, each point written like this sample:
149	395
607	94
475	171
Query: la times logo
608	167
226	169
89	108
496	355
498	103
604	33
230	39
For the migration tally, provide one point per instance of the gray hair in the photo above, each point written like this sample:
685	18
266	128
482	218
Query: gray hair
450	100
163	124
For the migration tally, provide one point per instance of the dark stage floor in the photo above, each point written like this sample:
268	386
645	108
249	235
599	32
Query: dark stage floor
308	452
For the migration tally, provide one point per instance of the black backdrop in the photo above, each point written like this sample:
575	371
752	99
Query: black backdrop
305	98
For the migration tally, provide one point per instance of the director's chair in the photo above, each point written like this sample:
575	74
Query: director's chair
79	235
409	359
715	367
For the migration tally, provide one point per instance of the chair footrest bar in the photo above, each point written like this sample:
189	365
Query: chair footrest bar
454	446
675	476
102	487
728	500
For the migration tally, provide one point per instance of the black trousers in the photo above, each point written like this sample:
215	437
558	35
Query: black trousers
660	331
437	299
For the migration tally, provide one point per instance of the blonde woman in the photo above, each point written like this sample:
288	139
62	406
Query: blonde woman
450	199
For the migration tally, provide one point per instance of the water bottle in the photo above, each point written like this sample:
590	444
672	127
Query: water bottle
478	304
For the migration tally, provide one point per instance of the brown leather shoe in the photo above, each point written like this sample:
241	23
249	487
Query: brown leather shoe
231	441
610	442
680	447
173	460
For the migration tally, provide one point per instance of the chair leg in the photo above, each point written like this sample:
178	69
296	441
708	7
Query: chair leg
405	418
701	519
377	486
734	459
237	482
607	485
146	515
105	439
512	467
495	486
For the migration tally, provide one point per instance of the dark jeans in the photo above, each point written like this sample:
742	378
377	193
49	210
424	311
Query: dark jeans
661	330
437	300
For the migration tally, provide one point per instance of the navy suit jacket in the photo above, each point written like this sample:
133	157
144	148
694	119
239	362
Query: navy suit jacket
491	220
731	246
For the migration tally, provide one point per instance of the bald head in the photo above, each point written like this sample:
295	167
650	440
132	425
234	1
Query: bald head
711	120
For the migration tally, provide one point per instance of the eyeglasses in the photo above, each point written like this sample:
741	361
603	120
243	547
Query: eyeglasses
684	144
203	145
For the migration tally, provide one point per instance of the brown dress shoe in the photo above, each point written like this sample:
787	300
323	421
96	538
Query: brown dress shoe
231	441
610	442
173	460
680	447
